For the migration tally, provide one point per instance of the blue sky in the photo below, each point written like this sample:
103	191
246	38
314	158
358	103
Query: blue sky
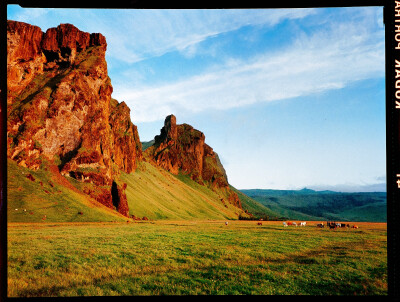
288	98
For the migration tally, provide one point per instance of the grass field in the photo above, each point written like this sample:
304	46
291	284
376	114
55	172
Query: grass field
194	257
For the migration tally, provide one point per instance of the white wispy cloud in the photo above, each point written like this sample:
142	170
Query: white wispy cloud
30	15
156	32
328	59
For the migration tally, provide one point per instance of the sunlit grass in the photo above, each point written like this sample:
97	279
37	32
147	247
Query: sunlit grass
203	257
157	194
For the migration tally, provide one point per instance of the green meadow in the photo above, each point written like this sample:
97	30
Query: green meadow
201	257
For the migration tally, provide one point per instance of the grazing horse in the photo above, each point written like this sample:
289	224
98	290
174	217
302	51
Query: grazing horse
331	225
303	223
259	223
285	224
320	225
355	227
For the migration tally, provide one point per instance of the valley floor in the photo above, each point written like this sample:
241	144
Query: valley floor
204	257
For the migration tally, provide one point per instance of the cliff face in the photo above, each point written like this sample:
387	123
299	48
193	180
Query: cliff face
60	109
182	149
24	56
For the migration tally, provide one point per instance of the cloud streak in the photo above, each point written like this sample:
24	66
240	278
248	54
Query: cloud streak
157	32
329	59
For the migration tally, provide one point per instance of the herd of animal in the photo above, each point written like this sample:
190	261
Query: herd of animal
334	225
329	224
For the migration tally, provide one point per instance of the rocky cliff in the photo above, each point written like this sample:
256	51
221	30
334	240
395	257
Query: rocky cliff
60	110
61	117
182	149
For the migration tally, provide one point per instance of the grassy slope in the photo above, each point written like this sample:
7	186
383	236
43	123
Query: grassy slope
157	194
151	192
59	203
313	205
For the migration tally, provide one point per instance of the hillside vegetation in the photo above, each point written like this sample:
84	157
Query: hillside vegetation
152	192
323	205
157	194
46	196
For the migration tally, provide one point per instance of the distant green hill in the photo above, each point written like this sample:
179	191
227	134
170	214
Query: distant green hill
148	144
308	204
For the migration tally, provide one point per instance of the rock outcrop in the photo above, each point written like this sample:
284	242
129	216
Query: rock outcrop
182	149
60	109
25	58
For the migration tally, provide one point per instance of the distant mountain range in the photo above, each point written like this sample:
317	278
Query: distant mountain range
307	204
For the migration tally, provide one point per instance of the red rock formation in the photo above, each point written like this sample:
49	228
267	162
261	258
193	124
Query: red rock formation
126	138
61	44
24	56
25	43
60	107
182	149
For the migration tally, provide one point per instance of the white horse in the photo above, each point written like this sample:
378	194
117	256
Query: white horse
303	223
